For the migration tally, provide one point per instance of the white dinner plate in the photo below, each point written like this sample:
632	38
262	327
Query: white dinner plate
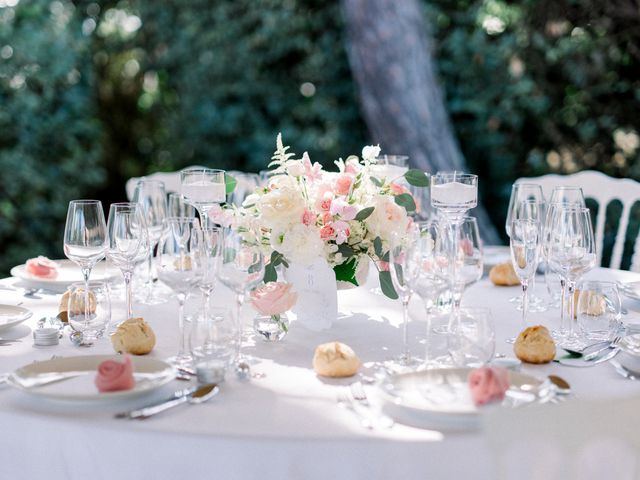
441	399
10	316
149	373
68	273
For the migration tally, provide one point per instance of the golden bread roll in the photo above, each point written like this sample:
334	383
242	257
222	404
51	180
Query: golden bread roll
335	359
535	345
504	275
133	336
78	305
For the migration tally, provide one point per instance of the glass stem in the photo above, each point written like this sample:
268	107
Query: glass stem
205	306
239	302
182	347
127	286
525	303
572	306
149	282
427	341
86	273
454	319
405	329
563	292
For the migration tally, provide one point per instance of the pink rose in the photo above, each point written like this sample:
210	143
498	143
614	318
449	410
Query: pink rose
308	217
326	217
343	184
397	189
114	376
42	267
343	209
327	232
273	298
488	384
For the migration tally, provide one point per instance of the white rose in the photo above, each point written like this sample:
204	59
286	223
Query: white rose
281	207
251	200
295	168
301	244
370	152
387	218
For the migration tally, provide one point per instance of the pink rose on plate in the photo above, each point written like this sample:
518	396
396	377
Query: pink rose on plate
488	384
343	184
114	376
42	267
273	298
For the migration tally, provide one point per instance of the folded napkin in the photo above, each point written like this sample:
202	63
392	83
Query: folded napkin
488	384
114	376
42	267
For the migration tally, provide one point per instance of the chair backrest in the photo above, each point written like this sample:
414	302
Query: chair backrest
577	440
603	189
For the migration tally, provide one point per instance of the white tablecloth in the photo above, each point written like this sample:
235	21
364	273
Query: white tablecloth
285	425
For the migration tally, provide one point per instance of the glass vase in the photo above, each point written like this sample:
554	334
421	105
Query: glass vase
271	328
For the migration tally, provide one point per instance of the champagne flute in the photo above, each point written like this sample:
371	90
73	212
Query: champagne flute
208	245
151	195
525	240
404	266
241	270
203	188
128	242
85	238
179	267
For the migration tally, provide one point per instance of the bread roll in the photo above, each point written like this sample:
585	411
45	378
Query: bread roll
78	306
504	275
335	359
535	345
590	303
133	336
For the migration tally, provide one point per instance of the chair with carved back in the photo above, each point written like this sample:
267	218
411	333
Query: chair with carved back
603	190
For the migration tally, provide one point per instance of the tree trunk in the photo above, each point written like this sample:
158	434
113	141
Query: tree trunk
390	52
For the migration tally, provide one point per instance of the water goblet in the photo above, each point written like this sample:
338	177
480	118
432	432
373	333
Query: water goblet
598	310
89	311
128	242
203	188
473	344
151	195
179	267
212	342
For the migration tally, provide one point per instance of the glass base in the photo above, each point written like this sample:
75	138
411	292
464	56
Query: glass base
181	360
269	329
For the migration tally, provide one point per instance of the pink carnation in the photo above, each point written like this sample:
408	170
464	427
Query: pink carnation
324	201
343	184
327	232
308	217
273	298
326	217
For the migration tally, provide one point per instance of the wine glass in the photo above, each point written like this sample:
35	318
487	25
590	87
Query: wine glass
520	192
241	270
567	195
429	284
128	242
151	195
177	207
525	240
404	266
475	340
85	236
89	311
212	341
571	249
203	188
179	266
454	193
208	245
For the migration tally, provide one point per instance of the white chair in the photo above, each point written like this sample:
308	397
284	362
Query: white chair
603	189
576	440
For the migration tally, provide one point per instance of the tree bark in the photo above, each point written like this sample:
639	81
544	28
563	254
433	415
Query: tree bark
390	52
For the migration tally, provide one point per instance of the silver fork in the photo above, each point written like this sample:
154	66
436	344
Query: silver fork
613	344
345	401
360	396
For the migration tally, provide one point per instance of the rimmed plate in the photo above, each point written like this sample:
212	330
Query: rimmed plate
149	373
440	398
68	273
631	290
10	316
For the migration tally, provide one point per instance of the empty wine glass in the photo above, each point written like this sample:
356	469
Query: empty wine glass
128	242
525	240
89	311
208	246
571	249
85	236
179	267
404	266
567	195
598	310
203	188
177	207
474	343
241	270
151	195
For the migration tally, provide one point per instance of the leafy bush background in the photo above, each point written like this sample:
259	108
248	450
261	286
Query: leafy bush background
92	93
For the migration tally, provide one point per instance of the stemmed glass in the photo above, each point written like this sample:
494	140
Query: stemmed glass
405	266
568	195
209	246
150	194
128	242
177	207
179	266
525	240
570	248
241	270
85	237
203	188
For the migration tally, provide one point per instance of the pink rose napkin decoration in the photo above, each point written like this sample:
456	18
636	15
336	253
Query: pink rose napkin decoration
273	299
114	376
488	384
42	267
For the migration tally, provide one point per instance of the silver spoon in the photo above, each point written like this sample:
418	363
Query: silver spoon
562	386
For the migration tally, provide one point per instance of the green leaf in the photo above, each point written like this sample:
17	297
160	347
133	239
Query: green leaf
377	247
229	183
270	274
255	267
386	285
417	178
376	182
346	271
364	213
346	250
406	200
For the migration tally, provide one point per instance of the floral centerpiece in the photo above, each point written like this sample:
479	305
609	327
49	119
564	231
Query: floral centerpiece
345	217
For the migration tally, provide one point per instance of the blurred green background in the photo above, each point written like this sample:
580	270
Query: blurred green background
92	93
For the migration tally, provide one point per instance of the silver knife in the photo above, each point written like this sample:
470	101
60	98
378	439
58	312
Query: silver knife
202	394
177	394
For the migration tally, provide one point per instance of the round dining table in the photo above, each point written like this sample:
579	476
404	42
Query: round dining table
282	423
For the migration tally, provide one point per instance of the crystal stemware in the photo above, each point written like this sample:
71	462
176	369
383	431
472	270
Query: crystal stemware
241	270
128	242
151	195
208	246
203	188
179	267
85	236
475	341
177	207
89	311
